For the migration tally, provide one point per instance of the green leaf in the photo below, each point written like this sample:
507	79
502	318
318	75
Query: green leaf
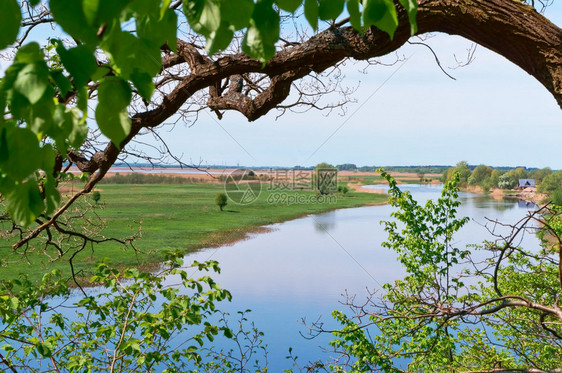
219	40
44	350
263	32
62	82
39	117
159	30
411	7
354	14
236	13
114	95
20	152
204	16
63	124
10	25
129	53
32	81
98	12
2	98
79	131
4	154
311	13
100	73
330	9
25	202
90	8
145	7
227	333
29	53
143	83
382	14
18	104
79	62
82	100
70	16
289	5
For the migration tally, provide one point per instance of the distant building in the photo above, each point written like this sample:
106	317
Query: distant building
526	183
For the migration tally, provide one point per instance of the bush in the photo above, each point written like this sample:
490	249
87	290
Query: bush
96	196
221	200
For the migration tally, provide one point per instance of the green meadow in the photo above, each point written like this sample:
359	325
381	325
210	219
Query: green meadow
163	218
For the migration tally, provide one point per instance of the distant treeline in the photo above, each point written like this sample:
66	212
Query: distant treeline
547	181
138	178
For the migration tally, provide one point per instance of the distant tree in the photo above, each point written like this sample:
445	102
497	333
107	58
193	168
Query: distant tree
221	200
346	167
495	178
96	196
323	183
479	175
462	169
506	181
556	197
540	174
518	173
551	182
421	176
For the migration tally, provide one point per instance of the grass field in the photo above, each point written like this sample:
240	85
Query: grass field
170	217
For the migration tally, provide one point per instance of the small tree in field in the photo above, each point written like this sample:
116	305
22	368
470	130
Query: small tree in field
96	196
221	200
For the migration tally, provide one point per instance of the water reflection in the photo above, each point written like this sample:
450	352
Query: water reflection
526	204
325	222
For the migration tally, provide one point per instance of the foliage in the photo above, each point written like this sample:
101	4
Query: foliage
506	181
551	182
462	169
96	196
343	189
457	310
479	175
556	197
221	200
132	324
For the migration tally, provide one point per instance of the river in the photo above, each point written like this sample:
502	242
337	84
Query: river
299	269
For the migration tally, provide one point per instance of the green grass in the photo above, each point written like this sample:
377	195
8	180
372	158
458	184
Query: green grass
174	217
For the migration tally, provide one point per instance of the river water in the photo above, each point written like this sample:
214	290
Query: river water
300	268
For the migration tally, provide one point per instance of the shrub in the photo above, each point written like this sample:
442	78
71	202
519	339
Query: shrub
221	200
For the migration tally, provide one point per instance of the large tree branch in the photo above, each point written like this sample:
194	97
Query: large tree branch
511	28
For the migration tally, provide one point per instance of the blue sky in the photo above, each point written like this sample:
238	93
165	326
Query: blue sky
493	113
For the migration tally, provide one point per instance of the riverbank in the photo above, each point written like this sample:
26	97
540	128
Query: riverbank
165	218
527	194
